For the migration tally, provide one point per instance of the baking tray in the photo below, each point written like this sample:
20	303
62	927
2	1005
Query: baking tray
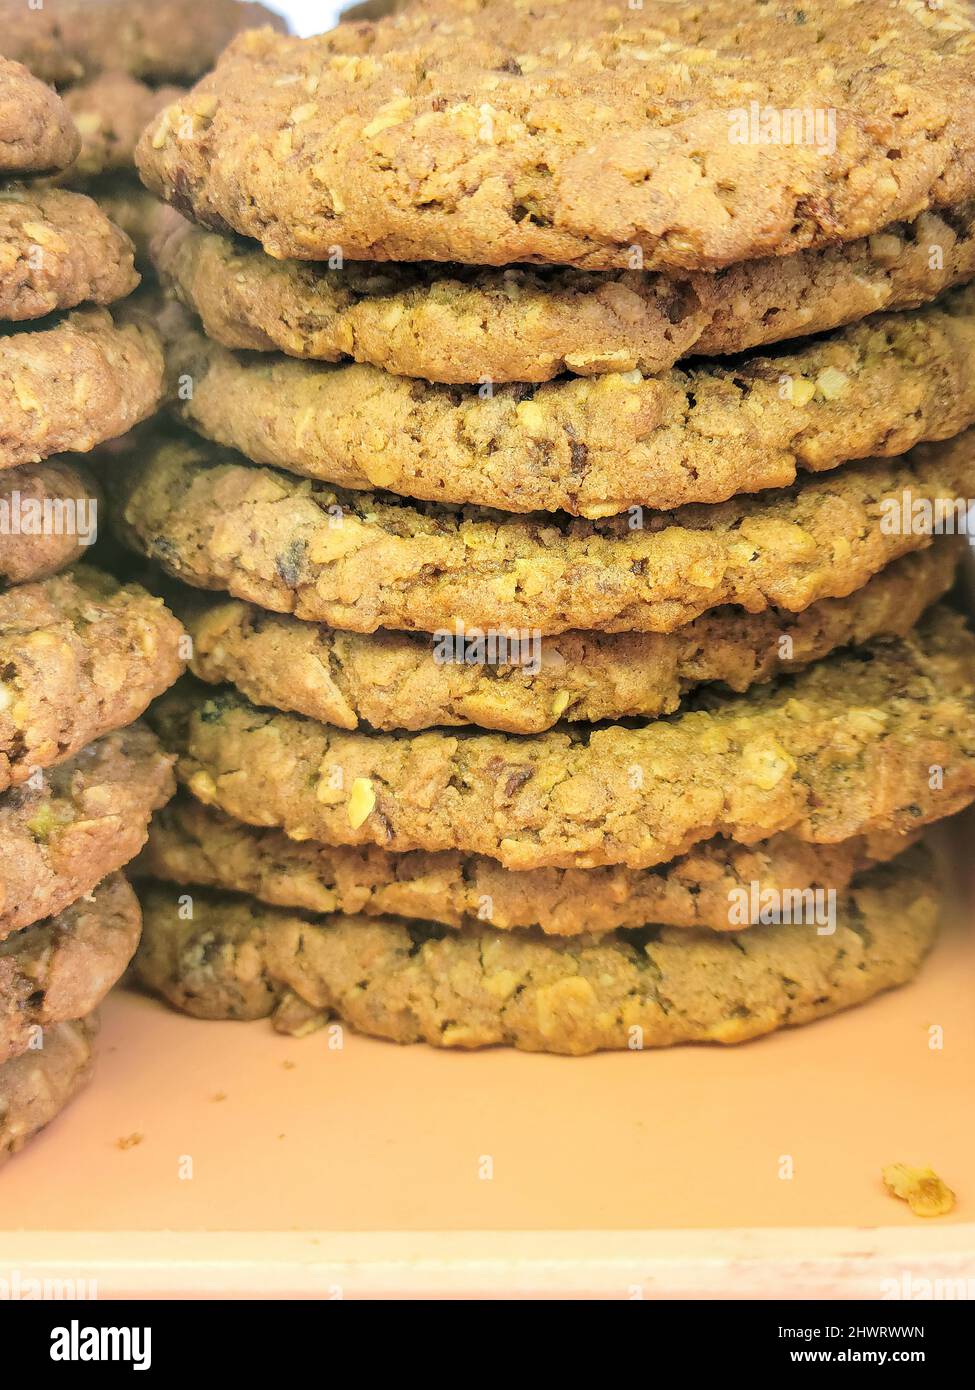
376	1170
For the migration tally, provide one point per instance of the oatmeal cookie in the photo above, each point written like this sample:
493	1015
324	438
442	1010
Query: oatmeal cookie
38	1084
674	135
66	41
412	982
361	561
76	384
62	969
880	739
399	680
593	446
463	324
37	133
48	518
80	656
58	250
194	845
71	826
111	111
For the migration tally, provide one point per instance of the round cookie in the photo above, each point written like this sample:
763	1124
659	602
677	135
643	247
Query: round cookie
193	845
111	111
61	969
58	250
399	680
362	561
160	40
479	987
475	325
877	740
78	823
594	446
33	544
37	1085
601	136
36	131
80	655
72	386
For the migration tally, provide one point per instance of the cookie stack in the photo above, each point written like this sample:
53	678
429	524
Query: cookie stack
580	436
117	64
81	655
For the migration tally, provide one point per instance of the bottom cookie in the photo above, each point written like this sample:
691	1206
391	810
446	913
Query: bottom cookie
653	987
36	1086
61	969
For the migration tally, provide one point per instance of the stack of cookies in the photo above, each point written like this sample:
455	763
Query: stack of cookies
117	64
578	402
81	655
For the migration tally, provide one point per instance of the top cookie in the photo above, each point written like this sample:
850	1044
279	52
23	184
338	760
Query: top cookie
36	131
495	131
68	40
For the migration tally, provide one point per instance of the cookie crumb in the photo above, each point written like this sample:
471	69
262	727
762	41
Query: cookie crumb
129	1141
921	1188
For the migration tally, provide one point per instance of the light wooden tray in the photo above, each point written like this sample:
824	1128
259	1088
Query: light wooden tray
318	1172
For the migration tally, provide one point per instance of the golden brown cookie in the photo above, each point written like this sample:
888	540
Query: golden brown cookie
591	446
72	825
399	680
361	561
478	987
712	886
58	250
36	130
687	136
37	1085
66	41
111	111
877	740
62	969
523	324
76	384
80	656
48	518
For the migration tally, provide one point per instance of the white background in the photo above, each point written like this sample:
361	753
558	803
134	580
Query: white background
310	16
